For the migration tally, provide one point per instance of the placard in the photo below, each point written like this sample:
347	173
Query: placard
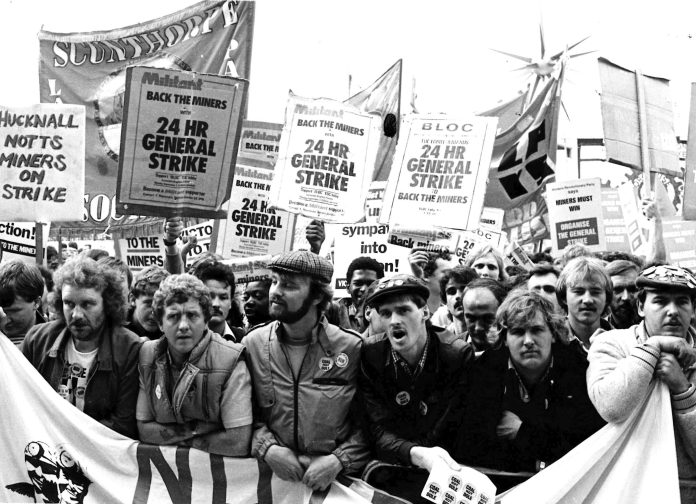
327	155
141	251
440	171
680	242
249	269
178	142
252	227
18	241
575	214
629	206
614	223
42	162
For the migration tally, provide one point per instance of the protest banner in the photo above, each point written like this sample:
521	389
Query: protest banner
629	207
492	219
356	240
575	214
466	485
90	69
440	171
249	269
517	256
55	453
18	241
180	137
254	228
523	161
327	153
141	251
614	223
202	233
373	201
42	158
680	239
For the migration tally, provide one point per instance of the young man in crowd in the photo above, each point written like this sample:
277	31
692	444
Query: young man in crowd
624	306
304	373
542	280
526	403
219	278
452	286
256	302
482	298
86	355
195	388
21	292
624	363
584	291
142	320
411	382
361	273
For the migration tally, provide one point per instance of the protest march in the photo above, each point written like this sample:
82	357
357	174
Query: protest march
366	300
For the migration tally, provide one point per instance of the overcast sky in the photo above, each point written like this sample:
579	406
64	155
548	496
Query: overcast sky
311	46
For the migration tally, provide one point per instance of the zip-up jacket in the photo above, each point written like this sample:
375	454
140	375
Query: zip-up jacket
112	384
312	414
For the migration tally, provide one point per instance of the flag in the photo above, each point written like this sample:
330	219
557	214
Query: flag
89	69
523	162
383	97
620	119
507	113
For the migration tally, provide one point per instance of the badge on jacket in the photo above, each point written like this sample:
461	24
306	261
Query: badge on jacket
325	363
158	392
341	360
403	398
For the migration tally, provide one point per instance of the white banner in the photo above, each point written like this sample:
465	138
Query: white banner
18	241
141	251
327	154
42	161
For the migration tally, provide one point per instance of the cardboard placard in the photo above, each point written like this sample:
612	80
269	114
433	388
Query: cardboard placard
575	214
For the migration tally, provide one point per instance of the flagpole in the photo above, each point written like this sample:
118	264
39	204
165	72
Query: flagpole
643	132
689	200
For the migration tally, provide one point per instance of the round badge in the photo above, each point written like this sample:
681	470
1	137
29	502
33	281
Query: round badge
341	360
423	408
403	398
158	392
325	363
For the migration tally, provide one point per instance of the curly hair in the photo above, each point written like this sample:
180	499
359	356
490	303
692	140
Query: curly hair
216	271
148	280
180	289
520	307
85	273
364	263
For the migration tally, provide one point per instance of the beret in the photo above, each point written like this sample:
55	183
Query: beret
667	277
398	284
303	262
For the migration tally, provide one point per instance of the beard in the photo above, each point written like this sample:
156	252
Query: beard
281	313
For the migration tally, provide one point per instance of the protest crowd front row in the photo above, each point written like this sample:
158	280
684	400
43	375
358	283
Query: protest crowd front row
476	364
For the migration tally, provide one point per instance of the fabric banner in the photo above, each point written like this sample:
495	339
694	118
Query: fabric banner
55	453
18	241
327	151
179	138
524	160
42	157
252	227
620	119
575	214
89	69
441	167
633	462
383	97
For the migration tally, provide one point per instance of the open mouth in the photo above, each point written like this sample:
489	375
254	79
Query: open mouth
398	334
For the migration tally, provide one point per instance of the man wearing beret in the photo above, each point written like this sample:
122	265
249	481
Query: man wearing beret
304	374
412	379
623	362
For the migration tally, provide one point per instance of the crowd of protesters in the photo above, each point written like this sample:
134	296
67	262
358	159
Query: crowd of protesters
474	363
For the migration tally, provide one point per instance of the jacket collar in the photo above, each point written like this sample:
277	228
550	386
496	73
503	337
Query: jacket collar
104	353
196	352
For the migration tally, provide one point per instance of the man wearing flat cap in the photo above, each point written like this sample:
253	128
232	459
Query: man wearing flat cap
412	379
304	373
624	362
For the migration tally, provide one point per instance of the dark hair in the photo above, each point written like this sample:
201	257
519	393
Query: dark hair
180	289
521	306
202	260
540	257
85	273
621	266
50	252
216	271
544	268
148	280
119	266
321	291
460	274
364	263
47	275
496	287
433	256
616	255
20	279
96	254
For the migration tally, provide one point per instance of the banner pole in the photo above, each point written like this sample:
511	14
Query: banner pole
38	234
689	201
643	132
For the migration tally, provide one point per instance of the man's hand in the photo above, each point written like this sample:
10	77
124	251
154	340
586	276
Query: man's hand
322	471
670	372
418	258
425	457
173	227
315	235
284	463
685	354
189	242
650	209
509	426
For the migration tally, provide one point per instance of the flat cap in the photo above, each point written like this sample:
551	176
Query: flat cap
303	262
398	284
667	277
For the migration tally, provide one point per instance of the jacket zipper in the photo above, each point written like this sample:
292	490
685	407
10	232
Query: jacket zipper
296	387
